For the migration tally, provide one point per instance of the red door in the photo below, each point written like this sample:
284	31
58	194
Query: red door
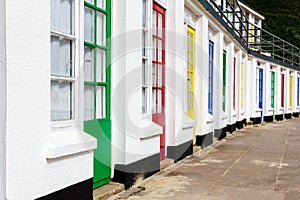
158	72
282	91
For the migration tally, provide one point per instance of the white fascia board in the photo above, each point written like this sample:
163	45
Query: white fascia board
251	11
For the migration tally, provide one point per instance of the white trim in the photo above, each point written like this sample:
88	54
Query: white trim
251	11
65	35
62	78
162	4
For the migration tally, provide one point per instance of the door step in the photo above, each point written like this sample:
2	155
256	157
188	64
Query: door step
108	190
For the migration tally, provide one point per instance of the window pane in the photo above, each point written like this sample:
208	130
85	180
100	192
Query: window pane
100	65
101	28
61	57
159	25
144	100
100	102
61	100
145	73
159	50
190	100
191	43
144	12
88	102
101	4
90	1
153	74
88	64
153	100
144	42
61	15
159	69
88	25
154	48
159	102
154	19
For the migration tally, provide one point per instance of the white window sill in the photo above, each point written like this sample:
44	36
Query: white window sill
151	130
234	113
271	109
258	110
289	108
210	120
282	109
224	116
66	143
188	122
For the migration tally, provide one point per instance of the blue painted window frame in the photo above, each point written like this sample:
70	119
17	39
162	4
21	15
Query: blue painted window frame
210	77
298	92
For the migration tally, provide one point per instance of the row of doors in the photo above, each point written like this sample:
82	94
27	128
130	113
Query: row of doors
97	83
97	90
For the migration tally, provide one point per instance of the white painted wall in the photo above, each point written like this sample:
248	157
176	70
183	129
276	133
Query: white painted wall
278	108
218	83
267	111
287	107
295	106
134	137
295	85
230	57
207	120
28	108
2	101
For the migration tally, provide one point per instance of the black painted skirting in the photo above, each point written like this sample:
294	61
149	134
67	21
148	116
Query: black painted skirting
240	124
268	118
295	114
127	174
181	151
79	191
204	140
288	116
245	122
231	128
220	133
255	120
279	117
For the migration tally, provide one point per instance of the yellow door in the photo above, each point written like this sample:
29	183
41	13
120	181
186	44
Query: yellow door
190	72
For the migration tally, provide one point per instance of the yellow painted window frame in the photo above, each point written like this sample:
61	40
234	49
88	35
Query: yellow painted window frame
291	91
190	72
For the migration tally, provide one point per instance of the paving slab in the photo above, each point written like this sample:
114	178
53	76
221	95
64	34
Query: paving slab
257	162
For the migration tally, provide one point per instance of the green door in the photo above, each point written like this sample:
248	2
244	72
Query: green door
97	84
224	82
273	91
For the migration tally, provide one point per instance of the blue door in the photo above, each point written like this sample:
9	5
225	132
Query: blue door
260	92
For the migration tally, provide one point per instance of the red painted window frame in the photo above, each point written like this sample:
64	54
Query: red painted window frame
159	118
157	8
282	90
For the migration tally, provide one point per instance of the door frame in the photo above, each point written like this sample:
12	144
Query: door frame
159	118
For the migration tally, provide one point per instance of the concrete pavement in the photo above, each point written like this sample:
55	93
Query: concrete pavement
253	163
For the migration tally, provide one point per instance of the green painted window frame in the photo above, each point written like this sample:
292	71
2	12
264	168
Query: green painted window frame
224	81
272	89
107	48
